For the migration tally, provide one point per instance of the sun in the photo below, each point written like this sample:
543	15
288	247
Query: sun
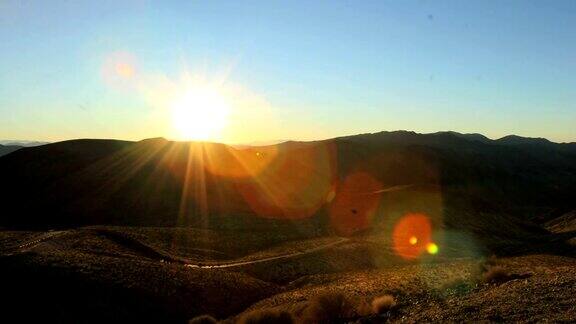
200	113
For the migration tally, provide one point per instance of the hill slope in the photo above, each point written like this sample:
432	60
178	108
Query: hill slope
7	149
564	223
348	185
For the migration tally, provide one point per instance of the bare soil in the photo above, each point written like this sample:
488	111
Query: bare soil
115	274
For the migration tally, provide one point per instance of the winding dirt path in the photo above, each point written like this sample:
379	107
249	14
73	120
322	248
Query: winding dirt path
32	243
162	256
278	257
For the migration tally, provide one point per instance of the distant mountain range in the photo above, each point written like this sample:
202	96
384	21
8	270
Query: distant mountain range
11	146
22	143
6	149
348	185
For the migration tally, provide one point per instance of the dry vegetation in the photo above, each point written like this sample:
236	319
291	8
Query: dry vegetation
450	291
383	304
497	274
267	316
340	283
203	319
328	308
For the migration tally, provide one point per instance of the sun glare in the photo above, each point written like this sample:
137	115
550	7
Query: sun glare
200	113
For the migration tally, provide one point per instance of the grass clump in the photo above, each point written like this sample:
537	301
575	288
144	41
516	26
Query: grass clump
363	308
496	274
328	308
203	319
383	304
265	316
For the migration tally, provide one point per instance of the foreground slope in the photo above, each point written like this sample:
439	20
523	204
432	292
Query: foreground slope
126	274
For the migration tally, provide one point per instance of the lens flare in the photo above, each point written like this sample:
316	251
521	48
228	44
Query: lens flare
412	235
432	248
457	244
119	70
124	70
355	203
294	185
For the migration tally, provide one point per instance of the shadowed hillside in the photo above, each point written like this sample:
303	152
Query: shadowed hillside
349	185
6	149
564	223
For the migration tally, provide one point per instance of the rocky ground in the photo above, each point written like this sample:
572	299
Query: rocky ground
115	274
537	288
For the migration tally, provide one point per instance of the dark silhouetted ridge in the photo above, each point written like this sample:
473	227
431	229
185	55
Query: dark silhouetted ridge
502	187
7	149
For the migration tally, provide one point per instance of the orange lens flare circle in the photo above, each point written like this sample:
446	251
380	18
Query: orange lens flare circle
355	203
119	69
294	185
412	236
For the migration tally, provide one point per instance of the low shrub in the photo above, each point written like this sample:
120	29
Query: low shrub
496	274
203	319
383	304
265	316
328	308
363	308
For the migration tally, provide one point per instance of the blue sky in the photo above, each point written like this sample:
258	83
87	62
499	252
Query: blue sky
318	68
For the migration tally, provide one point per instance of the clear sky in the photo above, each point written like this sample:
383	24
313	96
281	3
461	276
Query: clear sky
251	71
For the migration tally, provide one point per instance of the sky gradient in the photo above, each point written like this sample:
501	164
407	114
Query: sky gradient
287	69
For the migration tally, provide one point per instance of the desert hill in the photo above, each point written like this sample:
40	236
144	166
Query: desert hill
348	185
22	143
7	149
11	146
563	224
165	231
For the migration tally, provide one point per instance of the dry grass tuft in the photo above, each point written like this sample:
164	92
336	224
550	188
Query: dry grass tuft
363	308
328	308
383	304
496	274
265	316
203	319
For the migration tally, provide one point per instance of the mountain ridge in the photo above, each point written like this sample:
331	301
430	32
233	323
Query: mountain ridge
7	149
22	143
324	185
